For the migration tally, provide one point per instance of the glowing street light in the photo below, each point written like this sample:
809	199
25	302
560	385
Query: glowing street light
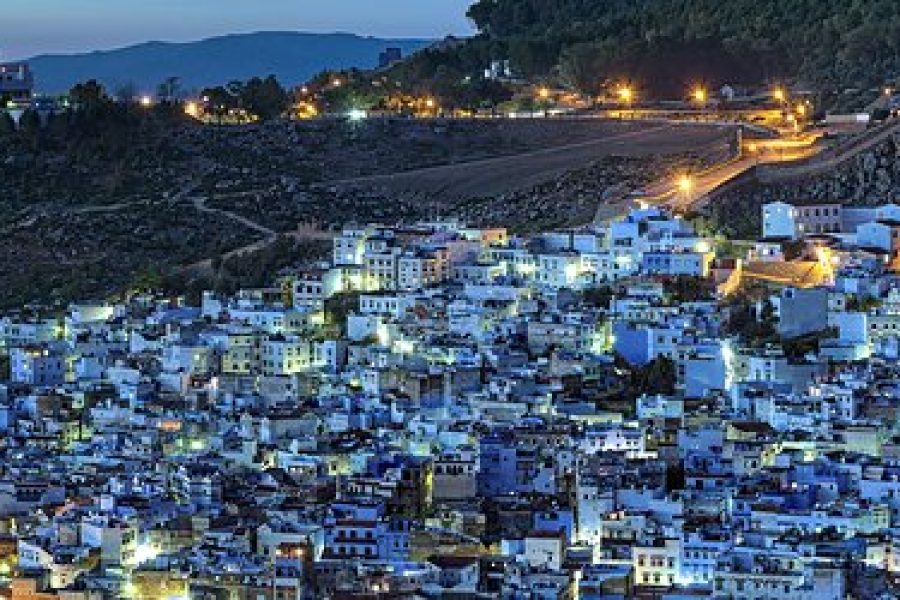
336	82
144	552
357	115
146	101
700	95
801	109
430	103
626	94
192	109
543	93
685	184
779	94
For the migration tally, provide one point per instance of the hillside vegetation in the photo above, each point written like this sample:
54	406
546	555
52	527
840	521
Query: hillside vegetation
667	44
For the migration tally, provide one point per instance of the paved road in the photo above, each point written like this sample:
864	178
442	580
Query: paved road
671	195
496	176
830	159
811	157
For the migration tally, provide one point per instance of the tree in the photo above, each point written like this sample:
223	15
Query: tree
126	92
339	306
264	97
742	321
219	101
169	89
656	377
580	67
686	288
89	95
667	44
600	297
30	126
7	125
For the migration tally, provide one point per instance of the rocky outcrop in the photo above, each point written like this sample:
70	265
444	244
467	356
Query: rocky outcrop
870	178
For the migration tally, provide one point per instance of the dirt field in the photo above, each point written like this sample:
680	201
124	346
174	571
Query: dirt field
496	176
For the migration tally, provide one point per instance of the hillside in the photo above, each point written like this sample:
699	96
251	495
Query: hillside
119	196
291	57
668	44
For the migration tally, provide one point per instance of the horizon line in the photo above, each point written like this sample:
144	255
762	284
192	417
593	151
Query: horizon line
176	42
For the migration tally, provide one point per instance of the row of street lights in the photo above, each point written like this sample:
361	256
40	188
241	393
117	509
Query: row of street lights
699	94
627	94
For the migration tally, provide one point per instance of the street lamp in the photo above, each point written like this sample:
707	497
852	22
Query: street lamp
146	101
626	96
779	94
700	95
755	151
685	184
543	93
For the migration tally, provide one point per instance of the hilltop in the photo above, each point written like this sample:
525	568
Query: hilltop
666	45
292	57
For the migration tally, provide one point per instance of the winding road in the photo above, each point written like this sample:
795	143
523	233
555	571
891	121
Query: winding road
496	176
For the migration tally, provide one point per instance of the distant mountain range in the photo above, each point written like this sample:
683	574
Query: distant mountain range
290	56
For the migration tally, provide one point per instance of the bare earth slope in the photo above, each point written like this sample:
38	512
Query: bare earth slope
92	206
502	175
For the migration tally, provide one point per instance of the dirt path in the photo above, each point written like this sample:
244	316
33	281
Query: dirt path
199	203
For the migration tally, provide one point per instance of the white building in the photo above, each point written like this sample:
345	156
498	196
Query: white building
778	221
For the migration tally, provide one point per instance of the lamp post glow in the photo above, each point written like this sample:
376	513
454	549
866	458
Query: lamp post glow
700	95
626	96
779	95
146	101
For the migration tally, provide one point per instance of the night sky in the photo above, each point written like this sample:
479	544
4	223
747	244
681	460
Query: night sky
40	26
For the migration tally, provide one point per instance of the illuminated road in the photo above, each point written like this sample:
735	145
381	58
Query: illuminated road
491	177
691	189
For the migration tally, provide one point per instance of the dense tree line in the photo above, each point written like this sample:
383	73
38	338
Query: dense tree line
670	43
264	97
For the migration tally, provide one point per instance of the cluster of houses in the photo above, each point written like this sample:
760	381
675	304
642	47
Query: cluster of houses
16	82
443	411
873	229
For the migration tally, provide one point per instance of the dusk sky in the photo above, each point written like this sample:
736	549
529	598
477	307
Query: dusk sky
39	26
